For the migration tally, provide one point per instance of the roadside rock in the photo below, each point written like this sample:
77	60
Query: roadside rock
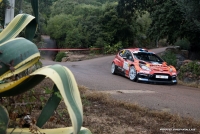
189	72
184	53
72	57
64	59
185	68
189	80
174	49
76	57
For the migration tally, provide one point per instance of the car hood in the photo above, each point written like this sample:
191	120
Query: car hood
159	67
156	66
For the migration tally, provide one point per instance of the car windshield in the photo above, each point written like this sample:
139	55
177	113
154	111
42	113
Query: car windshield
148	57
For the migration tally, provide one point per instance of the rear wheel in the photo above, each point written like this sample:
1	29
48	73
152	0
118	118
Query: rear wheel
132	73
113	68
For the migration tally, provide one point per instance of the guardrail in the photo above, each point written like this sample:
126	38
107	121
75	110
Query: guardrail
69	49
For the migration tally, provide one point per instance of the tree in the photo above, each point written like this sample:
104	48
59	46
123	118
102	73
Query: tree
128	11
109	24
63	7
58	26
190	10
167	21
175	19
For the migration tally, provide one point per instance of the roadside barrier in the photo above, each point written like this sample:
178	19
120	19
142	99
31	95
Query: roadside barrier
69	49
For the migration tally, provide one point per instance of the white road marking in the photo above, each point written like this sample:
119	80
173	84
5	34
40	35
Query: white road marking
127	91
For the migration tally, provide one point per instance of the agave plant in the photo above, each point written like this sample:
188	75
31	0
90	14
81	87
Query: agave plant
19	72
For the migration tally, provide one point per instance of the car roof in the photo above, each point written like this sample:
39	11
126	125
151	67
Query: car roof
136	50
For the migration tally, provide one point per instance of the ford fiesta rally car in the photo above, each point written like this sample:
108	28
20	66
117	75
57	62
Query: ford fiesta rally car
141	65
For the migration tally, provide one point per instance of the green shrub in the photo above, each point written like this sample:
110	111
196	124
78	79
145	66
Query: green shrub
163	43
112	49
170	58
183	43
191	69
59	56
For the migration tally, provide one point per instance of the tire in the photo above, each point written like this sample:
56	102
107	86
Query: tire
132	73
113	68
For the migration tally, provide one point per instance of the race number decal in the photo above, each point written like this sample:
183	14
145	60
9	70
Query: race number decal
126	65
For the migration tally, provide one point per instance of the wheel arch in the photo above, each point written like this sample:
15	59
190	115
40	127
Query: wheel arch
115	62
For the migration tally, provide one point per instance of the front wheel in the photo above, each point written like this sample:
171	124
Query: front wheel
132	73
113	68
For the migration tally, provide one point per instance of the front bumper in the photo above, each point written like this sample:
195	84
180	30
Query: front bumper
152	78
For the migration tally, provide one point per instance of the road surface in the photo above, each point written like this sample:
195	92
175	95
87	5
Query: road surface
96	75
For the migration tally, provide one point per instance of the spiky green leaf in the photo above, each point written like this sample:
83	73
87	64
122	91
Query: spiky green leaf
49	108
17	25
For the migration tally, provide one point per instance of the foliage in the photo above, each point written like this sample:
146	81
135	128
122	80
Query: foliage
111	50
143	22
59	56
142	25
127	9
23	7
135	22
112	21
190	10
63	24
63	7
117	29
170	58
167	21
127	13
109	24
172	19
92	23
183	43
83	23
85	28
191	70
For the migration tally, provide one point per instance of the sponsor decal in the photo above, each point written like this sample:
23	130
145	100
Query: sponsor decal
155	63
121	69
126	65
146	72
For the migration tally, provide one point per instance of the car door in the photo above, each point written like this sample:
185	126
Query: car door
127	62
121	58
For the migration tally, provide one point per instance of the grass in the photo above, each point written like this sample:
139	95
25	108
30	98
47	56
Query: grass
113	116
102	114
190	84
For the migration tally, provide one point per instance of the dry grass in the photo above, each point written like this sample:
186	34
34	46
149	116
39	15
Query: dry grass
104	115
191	84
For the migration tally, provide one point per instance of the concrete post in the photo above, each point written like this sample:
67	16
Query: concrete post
9	15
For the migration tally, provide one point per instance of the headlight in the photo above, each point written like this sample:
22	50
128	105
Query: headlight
171	70
144	67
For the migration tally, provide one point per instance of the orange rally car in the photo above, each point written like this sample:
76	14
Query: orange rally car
142	65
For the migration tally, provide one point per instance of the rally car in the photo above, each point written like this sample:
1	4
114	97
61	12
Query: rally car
141	65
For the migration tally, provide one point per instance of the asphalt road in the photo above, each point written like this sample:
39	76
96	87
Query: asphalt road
96	75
